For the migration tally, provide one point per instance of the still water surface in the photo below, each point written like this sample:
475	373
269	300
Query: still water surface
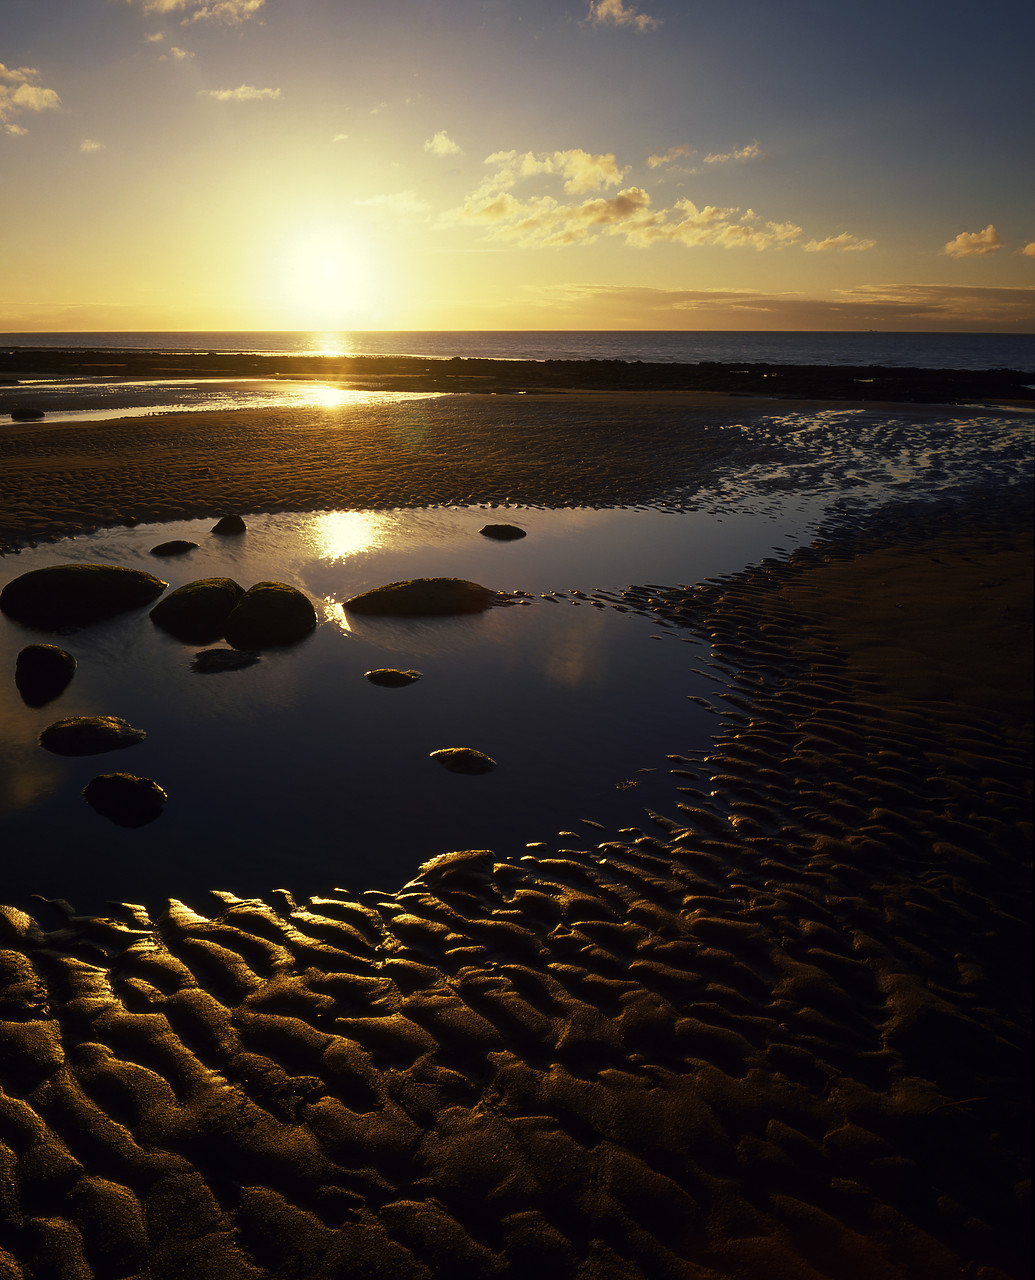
299	773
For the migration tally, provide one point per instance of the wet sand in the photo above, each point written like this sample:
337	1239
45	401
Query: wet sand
779	1031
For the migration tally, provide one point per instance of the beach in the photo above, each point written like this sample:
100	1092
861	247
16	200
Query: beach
778	1029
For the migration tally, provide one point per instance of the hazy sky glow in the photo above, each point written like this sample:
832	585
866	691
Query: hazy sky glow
508	164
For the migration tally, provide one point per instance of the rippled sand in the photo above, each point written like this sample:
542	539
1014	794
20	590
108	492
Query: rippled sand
779	1031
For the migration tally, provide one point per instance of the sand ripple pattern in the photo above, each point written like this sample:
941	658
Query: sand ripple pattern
781	1033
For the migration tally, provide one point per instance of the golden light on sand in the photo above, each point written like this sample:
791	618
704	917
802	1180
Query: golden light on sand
330	278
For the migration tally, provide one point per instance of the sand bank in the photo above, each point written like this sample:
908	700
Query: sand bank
779	1031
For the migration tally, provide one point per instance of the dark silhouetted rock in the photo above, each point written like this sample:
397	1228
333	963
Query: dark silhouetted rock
177	547
71	595
125	799
425	598
229	524
41	672
464	760
391	678
270	614
25	413
197	612
89	735
502	532
212	661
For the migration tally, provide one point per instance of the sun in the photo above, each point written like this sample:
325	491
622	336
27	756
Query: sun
332	278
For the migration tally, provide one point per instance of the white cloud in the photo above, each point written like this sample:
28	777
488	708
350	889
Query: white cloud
16	130
244	93
340	137
972	244
442	145
844	243
19	92
581	170
88	144
176	55
751	152
403	203
614	13
1029	249
666	157
230	12
156	37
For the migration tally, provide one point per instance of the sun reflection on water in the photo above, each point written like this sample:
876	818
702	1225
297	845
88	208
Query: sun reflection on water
337	535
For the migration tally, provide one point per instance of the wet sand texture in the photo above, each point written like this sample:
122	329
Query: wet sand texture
781	1031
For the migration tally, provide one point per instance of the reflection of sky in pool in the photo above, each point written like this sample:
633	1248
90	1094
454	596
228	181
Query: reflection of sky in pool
299	773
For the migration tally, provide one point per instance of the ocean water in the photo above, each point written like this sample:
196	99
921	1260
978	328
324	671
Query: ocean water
894	350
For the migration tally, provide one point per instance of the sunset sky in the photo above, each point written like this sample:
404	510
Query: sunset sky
516	164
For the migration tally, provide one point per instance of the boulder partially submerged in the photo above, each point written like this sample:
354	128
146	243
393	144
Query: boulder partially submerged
391	678
74	595
425	598
229	524
212	661
197	613
89	735
27	413
270	614
176	547
463	760
42	672
125	799
502	532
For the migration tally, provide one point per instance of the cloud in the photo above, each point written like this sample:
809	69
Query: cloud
442	145
403	203
88	144
1029	249
666	157
340	137
581	170
19	92
614	13
972	244
751	152
229	12
543	221
176	55
894	307
244	93
844	243
156	37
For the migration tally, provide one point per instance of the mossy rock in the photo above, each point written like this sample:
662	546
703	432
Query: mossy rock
125	799
42	672
89	735
391	678
502	532
425	598
197	613
177	547
229	524
76	595
270	614
463	760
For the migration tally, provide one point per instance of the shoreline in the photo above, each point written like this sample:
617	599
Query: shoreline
780	1029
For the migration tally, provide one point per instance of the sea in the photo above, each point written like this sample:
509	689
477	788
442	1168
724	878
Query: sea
891	350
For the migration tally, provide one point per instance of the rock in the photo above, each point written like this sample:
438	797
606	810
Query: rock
70	595
463	760
269	614
125	799
425	598
229	524
502	532
391	678
211	661
177	547
197	613
41	672
89	735
25	413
